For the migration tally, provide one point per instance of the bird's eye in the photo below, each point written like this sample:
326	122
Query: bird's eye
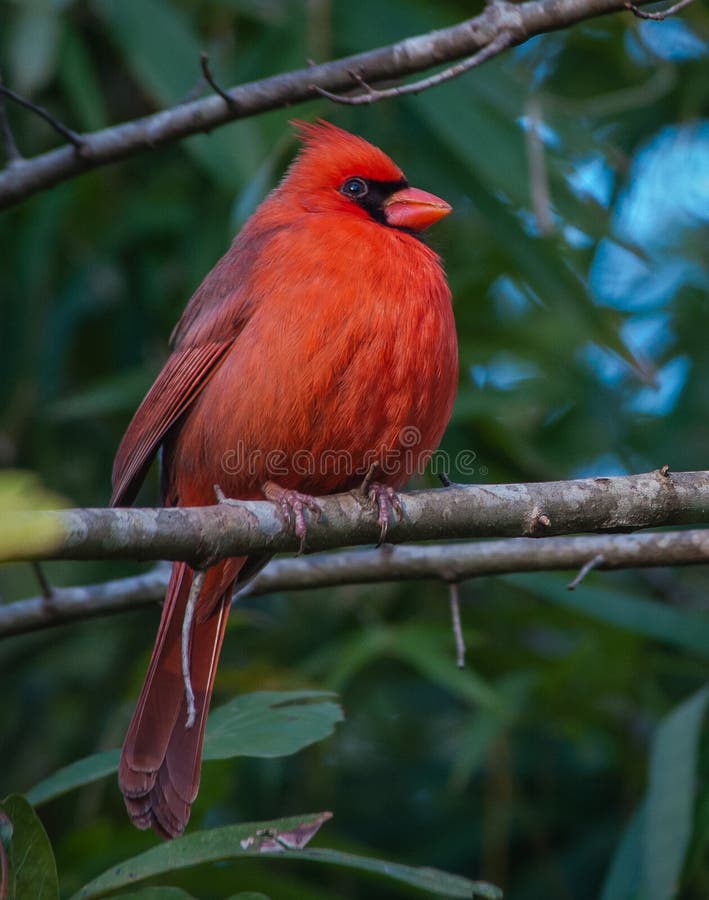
354	188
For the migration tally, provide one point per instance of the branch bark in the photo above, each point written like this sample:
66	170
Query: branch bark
450	563
203	535
519	21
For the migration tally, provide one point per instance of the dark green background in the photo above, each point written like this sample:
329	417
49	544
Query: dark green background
531	791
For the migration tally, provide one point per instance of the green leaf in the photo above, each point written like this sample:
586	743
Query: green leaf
671	796
249	895
432	654
643	617
33	46
484	729
429	651
226	843
650	856
464	120
117	393
270	723
157	893
78	77
75	775
263	724
625	869
159	45
32	869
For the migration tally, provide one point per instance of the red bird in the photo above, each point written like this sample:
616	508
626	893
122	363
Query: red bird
322	342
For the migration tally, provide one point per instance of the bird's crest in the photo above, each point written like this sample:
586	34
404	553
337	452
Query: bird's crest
330	153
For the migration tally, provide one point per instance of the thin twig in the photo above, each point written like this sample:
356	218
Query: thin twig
587	567
457	627
44	585
658	16
538	176
71	136
372	95
12	154
206	71
195	588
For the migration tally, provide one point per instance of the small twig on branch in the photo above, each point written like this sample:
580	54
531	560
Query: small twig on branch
12	154
206	71
76	140
584	570
193	597
658	16
44	585
446	562
371	95
457	627
539	523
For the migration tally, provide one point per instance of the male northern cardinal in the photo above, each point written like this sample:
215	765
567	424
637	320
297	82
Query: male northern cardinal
325	334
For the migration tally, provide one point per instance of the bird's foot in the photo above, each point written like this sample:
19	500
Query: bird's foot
293	505
383	497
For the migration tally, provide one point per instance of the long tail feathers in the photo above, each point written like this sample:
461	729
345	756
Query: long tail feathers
160	764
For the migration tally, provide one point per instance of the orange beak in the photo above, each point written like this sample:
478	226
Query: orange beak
414	209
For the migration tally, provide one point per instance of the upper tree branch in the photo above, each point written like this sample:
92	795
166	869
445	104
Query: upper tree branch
369	95
203	535
660	14
519	22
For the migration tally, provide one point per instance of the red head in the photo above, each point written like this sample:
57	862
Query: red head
338	171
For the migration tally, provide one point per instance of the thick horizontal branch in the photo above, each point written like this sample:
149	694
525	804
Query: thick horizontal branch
203	535
519	21
448	562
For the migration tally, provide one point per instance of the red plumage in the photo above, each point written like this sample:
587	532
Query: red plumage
322	341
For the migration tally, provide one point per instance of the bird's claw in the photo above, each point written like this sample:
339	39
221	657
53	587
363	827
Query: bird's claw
383	496
293	505
222	497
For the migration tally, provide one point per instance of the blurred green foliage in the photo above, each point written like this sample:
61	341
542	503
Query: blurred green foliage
526	768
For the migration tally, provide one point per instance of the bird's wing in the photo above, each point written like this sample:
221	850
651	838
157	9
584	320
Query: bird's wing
185	374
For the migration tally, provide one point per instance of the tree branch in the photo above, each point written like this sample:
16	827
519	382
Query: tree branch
448	562
658	16
370	95
203	535
520	21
